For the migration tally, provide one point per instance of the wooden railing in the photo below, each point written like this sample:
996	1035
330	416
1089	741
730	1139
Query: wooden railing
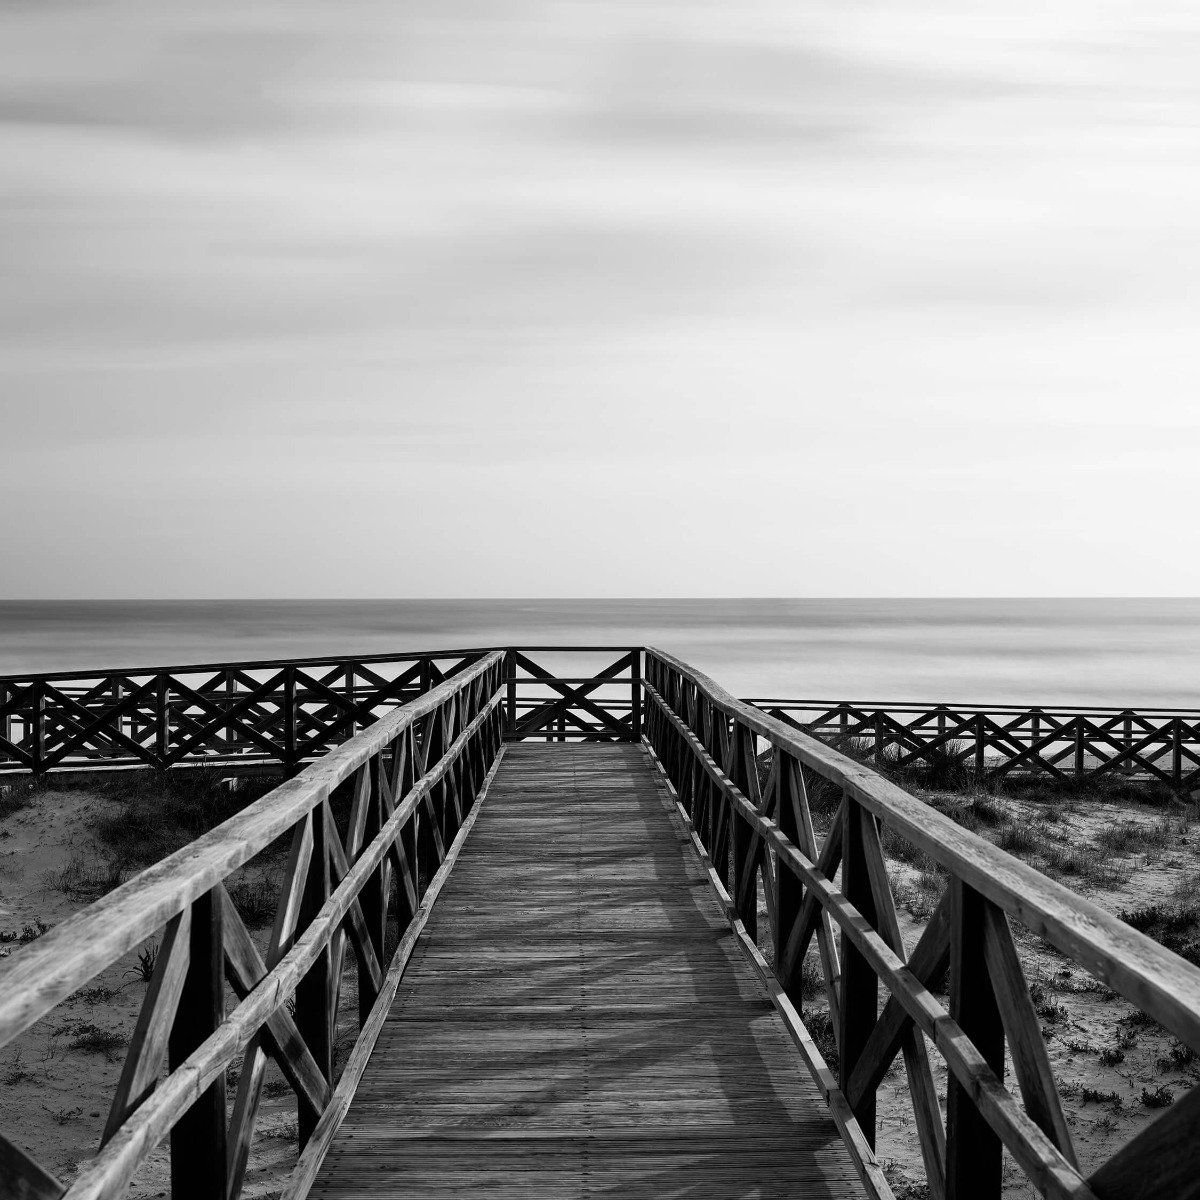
233	715
412	782
761	834
998	740
285	712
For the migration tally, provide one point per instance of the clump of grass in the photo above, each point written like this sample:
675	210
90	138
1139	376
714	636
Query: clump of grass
820	1028
1179	1057
16	1072
95	1039
987	811
147	960
14	798
1173	923
99	994
64	1115
1112	1056
1090	1095
1046	1004
1019	838
920	897
1079	1047
1132	837
255	900
29	933
1085	864
85	879
289	1132
276	1087
1159	1097
160	811
812	979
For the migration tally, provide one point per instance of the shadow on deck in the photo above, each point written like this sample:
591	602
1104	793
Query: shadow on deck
578	1019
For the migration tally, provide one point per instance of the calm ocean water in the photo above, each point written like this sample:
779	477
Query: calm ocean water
1105	652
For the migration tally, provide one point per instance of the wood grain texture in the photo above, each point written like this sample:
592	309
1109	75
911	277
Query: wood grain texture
577	1018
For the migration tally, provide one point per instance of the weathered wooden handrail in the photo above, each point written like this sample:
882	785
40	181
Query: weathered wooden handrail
997	740
416	776
710	746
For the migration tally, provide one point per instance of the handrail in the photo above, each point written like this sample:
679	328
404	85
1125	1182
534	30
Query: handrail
415	776
707	742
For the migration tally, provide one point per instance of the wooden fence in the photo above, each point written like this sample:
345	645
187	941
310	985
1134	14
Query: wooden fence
414	779
998	740
285	712
761	835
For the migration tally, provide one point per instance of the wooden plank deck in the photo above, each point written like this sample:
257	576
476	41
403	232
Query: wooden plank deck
578	1020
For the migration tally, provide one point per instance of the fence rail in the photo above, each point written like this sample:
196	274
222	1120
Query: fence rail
285	712
1000	740
413	780
837	893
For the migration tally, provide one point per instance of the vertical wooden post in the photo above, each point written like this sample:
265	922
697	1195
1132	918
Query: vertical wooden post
745	891
1078	747
788	891
198	1139
1177	754
373	897
511	665
635	694
314	993
289	719
860	988
980	740
974	1159
37	727
162	738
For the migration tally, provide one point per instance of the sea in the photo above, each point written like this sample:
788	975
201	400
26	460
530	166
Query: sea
1106	652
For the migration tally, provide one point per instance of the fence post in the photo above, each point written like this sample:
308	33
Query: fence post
974	1155
1177	754
635	693
860	988
289	718
198	1139
162	738
314	993
37	727
511	706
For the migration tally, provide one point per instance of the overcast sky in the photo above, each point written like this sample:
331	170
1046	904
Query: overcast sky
451	298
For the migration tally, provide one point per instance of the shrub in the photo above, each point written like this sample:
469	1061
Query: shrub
1160	1097
1018	838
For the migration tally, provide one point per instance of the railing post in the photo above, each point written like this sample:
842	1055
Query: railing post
510	661
314	993
860	987
1078	747
198	1138
745	779
788	890
37	727
289	719
162	733
1177	753
974	1155
635	693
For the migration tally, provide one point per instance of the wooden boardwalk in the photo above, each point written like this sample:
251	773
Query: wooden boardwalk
578	1019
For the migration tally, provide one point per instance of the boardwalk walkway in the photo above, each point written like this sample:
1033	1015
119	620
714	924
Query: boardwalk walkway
578	1020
